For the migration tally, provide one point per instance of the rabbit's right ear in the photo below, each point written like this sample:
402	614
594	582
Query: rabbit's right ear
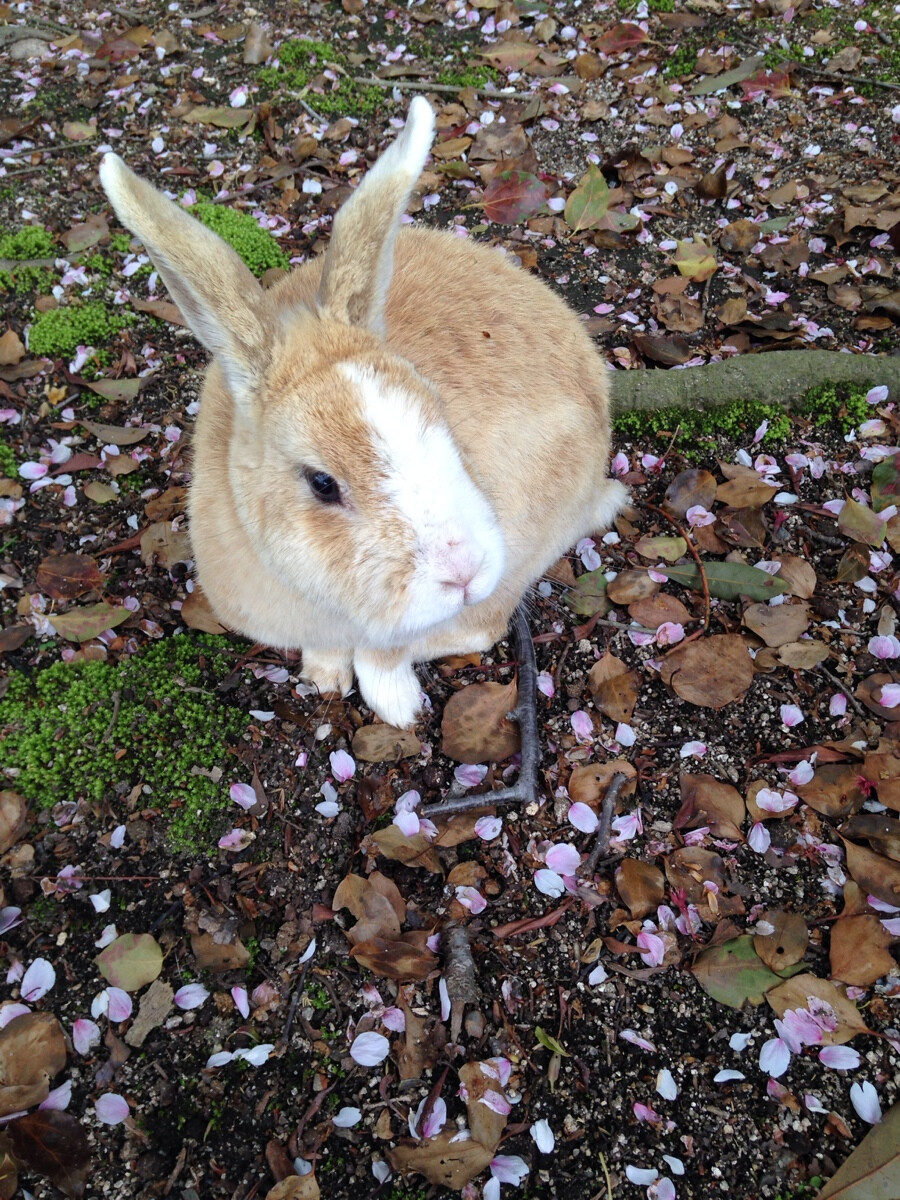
360	260
218	295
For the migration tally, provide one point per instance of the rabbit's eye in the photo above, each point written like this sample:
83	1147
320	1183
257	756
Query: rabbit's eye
323	487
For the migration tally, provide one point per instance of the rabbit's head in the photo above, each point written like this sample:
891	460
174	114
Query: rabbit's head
341	466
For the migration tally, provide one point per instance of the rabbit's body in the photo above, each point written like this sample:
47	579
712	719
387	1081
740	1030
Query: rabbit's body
412	450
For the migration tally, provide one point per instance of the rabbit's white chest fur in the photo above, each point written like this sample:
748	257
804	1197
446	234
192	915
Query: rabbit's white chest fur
393	444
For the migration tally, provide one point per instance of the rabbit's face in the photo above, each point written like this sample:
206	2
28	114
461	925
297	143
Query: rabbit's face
356	495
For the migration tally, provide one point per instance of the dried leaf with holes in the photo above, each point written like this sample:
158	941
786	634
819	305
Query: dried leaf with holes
443	1161
376	916
787	944
833	790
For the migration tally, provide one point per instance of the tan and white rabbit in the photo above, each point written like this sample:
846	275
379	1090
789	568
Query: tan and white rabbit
393	443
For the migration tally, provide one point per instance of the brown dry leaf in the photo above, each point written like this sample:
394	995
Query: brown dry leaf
873	1169
739	237
689	868
640	885
441	1160
197	613
680	313
13	819
100	493
156	1004
374	912
859	950
882	767
9	1172
833	790
796	993
742	527
167	505
787	944
711	672
747	490
415	851
384	743
32	1052
798	575
118	435
12	349
165	310
67	576
394	959
860	523
486	1125
614	687
476	727
257	46
779	625
165	545
706	800
453	831
873	872
630	586
588	784
656	610
295	1187
881	832
803	656
211	955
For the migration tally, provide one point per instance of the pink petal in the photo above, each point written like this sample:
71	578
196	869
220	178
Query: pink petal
840	1058
669	633
192	995
243	794
542	1135
370	1049
488	827
653	948
583	817
774	1057
549	882
37	980
864	1099
471	899
343	766
582	726
436	1120
509	1168
237	839
408	823
347	1117
563	858
791	715
496	1102
120	1006
85	1034
890	695
629	1035
394	1018
470	774
545	684
837	706
33	470
111	1109
239	996
759	838
59	1098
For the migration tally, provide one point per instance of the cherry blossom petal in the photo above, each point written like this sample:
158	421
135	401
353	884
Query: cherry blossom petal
864	1099
692	750
641	1175
470	774
739	1041
663	1190
890	695
436	1119
394	1018
563	857
598	975
509	1168
774	1057
444	994
837	706
243	794
111	1109
653	948
791	715
256	1055
192	995
884	647
545	684
308	952
551	883
542	1136
877	395
629	1035
583	817
343	766
840	1058
59	1098
666	1085
239	996
488	827
582	726
667	634
471	898
220	1058
370	1049
346	1118
237	839
85	1035
408	823
759	838
728	1076
9	1012
496	1102
10	917
37	980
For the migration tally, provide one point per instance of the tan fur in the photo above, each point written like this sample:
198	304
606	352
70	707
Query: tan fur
479	344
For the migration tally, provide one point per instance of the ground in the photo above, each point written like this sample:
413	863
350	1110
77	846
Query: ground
190	836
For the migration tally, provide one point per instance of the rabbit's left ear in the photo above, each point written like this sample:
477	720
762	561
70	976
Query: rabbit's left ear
360	260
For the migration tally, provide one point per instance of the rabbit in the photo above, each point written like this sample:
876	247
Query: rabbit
394	441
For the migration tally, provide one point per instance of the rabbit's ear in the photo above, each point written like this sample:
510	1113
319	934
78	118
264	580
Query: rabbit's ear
360	259
216	292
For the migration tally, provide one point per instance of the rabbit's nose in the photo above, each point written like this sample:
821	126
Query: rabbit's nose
459	564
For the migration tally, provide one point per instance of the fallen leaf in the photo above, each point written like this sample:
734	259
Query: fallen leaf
614	687
476	727
295	1187
211	955
858	952
12	349
747	490
100	493
131	961
156	1004
880	831
32	1053
486	1124
777	625
165	545
803	656
873	872
375	913
442	1160
53	1144
67	576
14	817
861	524
640	885
115	389
797	992
624	36
394	959
631	585
588	204
257	45
670	549
588	595
733	973
787	944
727	79
82	624
695	259
383	743
882	767
81	237
221	117
165	310
117	435
869	692
588	784
711	672
885	487
657	610
415	851
873	1169
833	790
706	800
513	196
197	613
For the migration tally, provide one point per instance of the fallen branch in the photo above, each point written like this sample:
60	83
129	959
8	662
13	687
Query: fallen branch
773	377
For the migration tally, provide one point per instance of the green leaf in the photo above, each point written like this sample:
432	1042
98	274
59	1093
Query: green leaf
89	621
734	974
886	483
117	389
131	961
588	596
589	203
550	1042
715	83
728	581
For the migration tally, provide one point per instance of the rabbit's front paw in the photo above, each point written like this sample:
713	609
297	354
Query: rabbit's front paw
390	688
329	671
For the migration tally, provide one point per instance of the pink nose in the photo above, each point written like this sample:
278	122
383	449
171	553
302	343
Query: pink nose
457	565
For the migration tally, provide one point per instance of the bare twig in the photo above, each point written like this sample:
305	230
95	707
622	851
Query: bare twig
607	812
450	88
459	974
525	788
821	73
117	704
295	1000
851	699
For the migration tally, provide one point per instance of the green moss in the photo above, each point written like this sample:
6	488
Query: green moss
59	332
842	403
301	61
256	246
120	243
474	77
9	464
680	62
733	421
95	730
31	242
99	264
